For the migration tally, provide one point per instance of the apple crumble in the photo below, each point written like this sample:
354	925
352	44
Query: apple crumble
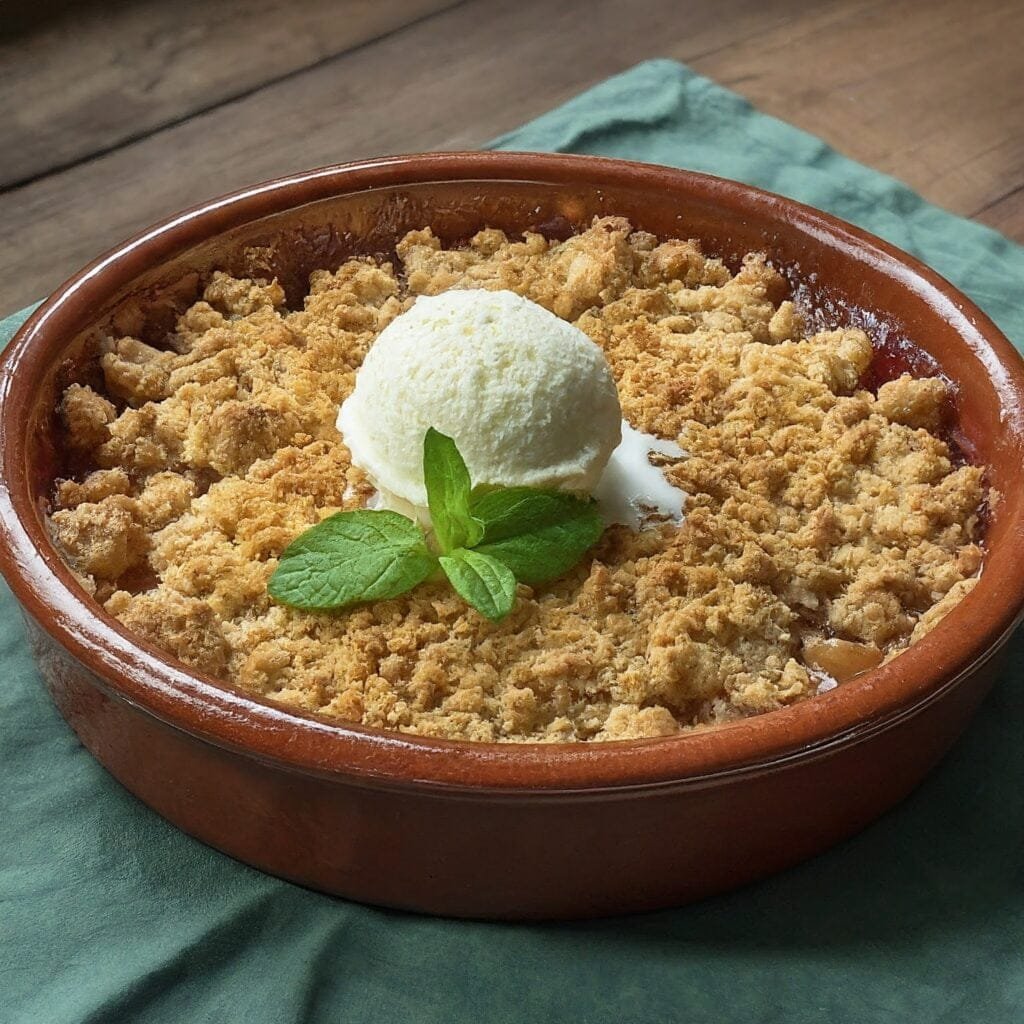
828	525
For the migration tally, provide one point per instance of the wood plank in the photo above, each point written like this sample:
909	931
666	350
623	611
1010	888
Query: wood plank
451	81
469	73
93	77
1006	214
930	92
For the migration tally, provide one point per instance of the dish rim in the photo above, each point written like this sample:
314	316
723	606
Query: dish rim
231	718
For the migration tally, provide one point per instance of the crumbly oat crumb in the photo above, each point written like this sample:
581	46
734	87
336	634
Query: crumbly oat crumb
816	508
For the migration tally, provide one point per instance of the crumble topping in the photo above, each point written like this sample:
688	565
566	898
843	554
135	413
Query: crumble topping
827	528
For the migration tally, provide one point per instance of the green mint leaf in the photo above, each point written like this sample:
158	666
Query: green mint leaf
539	535
352	557
510	511
481	581
448	488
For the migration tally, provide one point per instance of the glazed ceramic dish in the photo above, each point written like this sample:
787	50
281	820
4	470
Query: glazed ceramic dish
489	830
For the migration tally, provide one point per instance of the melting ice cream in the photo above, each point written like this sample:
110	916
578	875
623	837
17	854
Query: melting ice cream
528	398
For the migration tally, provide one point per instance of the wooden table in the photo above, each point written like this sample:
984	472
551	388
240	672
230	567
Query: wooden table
119	113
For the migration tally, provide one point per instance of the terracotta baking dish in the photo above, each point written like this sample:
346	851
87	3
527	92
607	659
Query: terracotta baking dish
488	830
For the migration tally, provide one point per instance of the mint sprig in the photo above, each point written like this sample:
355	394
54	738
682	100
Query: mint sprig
485	538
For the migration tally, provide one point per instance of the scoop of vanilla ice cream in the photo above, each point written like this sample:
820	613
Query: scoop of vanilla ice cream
528	398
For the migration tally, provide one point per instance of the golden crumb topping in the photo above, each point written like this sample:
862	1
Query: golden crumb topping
827	527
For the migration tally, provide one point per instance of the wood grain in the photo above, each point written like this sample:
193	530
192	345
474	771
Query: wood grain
99	75
921	89
1006	214
450	81
932	93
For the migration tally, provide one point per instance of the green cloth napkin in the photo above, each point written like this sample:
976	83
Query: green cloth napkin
107	913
